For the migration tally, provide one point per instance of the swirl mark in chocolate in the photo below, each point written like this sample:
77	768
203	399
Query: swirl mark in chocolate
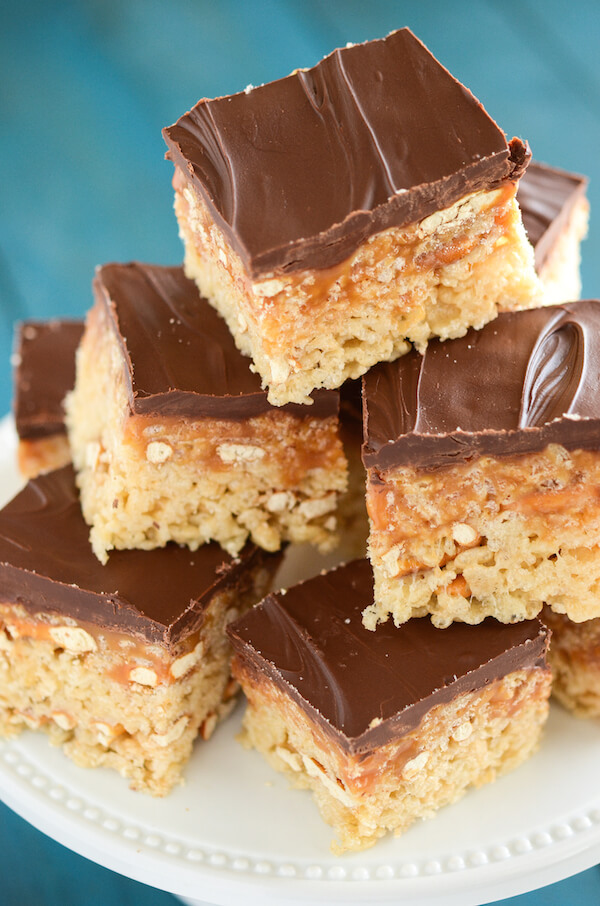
525	380
554	374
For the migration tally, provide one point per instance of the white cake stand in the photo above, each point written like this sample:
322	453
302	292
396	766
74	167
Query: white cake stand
235	833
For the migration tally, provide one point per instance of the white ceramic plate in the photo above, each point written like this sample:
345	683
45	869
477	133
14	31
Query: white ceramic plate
236	833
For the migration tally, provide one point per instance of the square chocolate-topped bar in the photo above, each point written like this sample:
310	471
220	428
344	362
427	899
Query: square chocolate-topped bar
483	460
173	438
44	373
337	214
384	727
574	657
124	665
555	214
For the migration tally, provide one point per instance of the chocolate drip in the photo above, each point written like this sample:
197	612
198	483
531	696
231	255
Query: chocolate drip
180	358
301	171
365	688
47	566
526	380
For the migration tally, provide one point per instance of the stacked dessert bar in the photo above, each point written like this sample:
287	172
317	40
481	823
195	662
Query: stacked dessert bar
173	438
124	665
387	214
358	218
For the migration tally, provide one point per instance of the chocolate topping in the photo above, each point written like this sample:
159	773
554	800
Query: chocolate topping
524	381
44	374
365	688
180	357
301	171
47	565
547	197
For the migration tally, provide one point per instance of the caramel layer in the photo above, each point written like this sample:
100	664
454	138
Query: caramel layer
43	454
288	446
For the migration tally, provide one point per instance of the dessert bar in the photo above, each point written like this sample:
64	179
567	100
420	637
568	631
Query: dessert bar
338	213
353	521
173	438
555	214
384	727
44	372
123	665
574	656
483	461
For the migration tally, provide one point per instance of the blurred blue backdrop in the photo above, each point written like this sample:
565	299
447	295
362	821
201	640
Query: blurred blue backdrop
85	88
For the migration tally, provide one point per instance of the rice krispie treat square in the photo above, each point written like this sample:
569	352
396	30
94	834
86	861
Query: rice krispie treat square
338	214
574	656
384	727
44	372
555	213
173	438
483	460
123	665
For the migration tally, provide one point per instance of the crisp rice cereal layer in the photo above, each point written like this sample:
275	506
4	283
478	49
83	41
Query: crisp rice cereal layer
493	537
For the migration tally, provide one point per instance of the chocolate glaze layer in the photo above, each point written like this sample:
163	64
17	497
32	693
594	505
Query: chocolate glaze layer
365	688
44	373
547	197
299	172
525	380
180	358
47	565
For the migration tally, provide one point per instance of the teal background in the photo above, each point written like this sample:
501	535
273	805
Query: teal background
85	88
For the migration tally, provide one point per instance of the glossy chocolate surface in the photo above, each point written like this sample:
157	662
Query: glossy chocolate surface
525	380
178	353
47	565
44	373
364	687
301	171
547	197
